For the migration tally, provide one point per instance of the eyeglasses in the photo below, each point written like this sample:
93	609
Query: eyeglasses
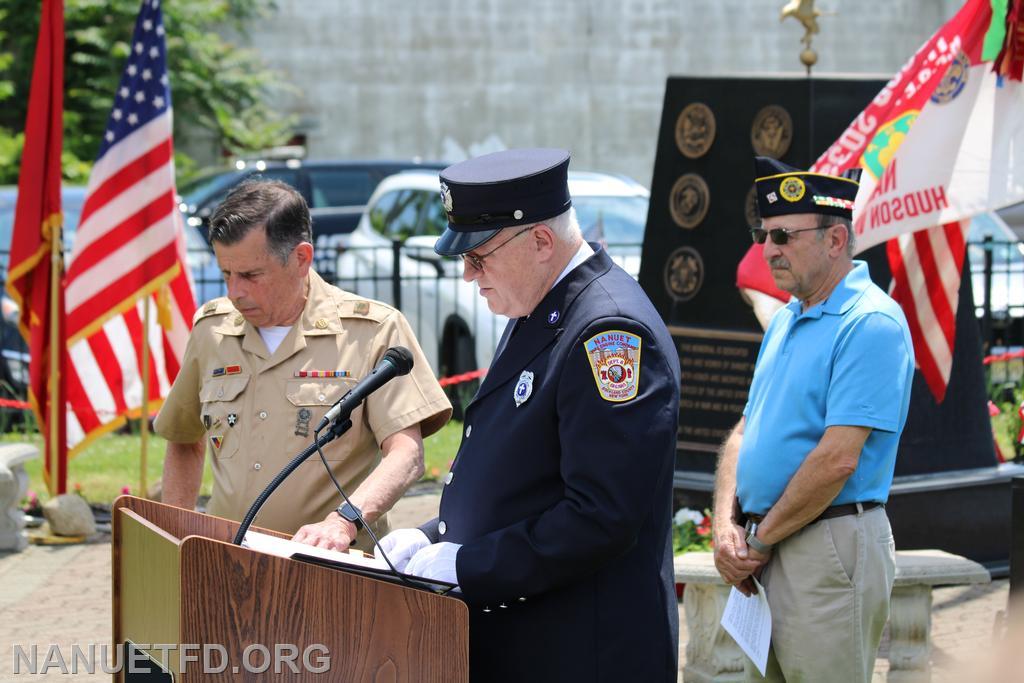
780	236
477	261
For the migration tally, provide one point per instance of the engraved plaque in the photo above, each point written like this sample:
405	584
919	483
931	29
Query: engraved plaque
695	130
688	201
684	273
772	132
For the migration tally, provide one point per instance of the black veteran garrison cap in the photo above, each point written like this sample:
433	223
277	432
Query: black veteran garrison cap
783	190
514	187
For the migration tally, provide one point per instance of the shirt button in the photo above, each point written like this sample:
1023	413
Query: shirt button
442	527
263	415
469	430
322	398
256	466
448	477
220	392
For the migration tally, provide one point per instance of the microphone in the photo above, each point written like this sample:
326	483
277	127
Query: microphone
397	361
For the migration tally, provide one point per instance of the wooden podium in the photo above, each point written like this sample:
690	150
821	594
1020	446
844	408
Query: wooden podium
178	580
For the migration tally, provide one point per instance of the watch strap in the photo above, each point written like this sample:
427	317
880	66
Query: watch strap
754	542
351	513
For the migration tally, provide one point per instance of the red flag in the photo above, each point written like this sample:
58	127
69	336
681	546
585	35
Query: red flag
37	222
937	147
129	253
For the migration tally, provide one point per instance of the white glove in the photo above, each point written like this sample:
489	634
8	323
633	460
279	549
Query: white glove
400	545
436	562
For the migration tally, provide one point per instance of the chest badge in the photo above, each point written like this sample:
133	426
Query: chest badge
553	317
232	419
302	422
524	387
615	359
216	442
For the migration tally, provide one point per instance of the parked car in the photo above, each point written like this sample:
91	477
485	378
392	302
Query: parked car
15	356
336	192
452	322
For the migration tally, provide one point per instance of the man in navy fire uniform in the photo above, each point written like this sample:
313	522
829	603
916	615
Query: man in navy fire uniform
555	518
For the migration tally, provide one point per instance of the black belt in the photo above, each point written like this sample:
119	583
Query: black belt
829	513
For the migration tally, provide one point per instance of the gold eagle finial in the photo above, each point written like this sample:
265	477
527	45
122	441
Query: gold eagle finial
804	12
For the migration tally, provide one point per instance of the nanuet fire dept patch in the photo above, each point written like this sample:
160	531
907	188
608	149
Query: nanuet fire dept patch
615	359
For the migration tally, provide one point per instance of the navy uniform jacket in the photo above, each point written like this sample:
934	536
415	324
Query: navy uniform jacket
563	504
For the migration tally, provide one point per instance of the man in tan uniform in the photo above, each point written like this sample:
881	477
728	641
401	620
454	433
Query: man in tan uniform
265	363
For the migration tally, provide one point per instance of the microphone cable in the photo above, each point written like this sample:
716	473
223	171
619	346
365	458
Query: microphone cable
376	542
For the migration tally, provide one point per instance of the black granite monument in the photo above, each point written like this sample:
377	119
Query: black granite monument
949	492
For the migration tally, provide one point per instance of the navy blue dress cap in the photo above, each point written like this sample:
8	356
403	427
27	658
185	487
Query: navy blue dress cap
488	193
783	190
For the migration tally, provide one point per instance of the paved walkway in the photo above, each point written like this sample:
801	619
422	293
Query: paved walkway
60	595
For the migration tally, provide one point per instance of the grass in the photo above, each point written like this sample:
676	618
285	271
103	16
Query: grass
105	467
1005	426
111	463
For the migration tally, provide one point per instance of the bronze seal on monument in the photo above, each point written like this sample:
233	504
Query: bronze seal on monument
695	130
684	273
772	132
688	201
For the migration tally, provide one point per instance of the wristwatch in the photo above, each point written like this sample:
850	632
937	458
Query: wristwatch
351	513
755	543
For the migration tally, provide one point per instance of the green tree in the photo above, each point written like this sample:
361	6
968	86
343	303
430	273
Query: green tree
216	87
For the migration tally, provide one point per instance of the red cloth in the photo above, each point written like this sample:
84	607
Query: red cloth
753	273
37	214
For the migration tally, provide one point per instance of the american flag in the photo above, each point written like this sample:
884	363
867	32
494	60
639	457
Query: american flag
947	129
128	253
926	267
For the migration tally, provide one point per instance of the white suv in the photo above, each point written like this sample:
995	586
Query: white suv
457	331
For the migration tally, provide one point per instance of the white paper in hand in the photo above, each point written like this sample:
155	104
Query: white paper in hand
749	622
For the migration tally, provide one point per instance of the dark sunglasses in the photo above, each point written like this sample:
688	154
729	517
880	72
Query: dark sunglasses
779	236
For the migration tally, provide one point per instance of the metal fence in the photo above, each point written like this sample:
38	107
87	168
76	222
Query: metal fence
458	333
450	319
997	280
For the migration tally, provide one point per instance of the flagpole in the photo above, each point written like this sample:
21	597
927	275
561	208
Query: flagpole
811	158
143	456
56	342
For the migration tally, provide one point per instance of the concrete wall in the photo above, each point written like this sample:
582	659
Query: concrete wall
449	78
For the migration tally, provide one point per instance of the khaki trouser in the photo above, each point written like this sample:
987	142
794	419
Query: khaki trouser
828	588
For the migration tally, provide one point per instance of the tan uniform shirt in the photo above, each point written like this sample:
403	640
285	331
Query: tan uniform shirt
256	410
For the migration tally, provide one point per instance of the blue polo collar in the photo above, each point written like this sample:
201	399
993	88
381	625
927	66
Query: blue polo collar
843	297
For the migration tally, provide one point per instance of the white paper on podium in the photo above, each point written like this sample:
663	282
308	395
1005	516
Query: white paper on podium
749	621
272	545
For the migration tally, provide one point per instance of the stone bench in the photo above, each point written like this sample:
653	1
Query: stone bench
13	485
712	655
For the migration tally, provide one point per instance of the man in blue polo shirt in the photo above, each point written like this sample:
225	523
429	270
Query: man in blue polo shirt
803	478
